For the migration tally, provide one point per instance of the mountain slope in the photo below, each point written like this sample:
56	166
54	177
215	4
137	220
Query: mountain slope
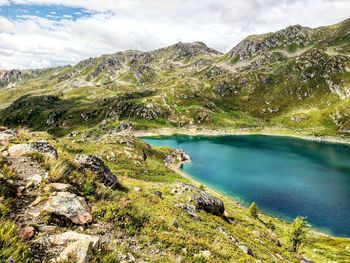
296	78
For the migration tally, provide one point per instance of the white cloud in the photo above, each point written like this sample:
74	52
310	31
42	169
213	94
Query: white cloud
148	24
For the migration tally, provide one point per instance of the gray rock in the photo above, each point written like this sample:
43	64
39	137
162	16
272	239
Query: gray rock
70	206
42	147
207	202
189	209
93	164
72	236
304	259
245	249
158	193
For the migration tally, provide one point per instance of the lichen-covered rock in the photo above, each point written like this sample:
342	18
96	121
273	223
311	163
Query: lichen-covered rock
70	206
207	202
42	147
45	148
72	236
79	251
93	164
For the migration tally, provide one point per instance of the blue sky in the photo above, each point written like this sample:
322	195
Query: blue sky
54	12
48	33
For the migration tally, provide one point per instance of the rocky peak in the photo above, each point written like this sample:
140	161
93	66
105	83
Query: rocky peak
257	44
7	77
182	51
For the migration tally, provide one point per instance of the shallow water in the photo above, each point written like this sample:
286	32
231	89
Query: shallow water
286	177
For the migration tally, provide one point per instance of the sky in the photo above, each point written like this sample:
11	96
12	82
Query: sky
48	33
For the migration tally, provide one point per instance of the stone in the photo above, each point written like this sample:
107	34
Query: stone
93	164
42	147
304	259
137	189
70	206
7	135
245	249
45	148
72	236
203	254
189	209
207	202
79	251
27	233
158	193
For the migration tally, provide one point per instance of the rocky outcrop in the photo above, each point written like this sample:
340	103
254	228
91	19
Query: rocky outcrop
177	157
7	77
124	126
97	166
42	147
225	88
207	202
254	45
69	206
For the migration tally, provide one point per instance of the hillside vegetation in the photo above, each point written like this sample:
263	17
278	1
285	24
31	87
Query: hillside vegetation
76	185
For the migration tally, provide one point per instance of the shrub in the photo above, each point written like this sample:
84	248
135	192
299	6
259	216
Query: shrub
253	210
296	233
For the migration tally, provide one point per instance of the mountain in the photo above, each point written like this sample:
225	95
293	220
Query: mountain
76	185
296	78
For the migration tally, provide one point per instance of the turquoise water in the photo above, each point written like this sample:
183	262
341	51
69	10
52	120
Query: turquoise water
286	177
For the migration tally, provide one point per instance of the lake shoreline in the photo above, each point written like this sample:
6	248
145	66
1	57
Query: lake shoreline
236	202
238	132
225	196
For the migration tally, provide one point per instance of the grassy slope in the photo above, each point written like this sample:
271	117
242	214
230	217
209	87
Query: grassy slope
142	223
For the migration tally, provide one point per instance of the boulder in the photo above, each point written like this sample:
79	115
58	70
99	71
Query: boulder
93	164
207	202
79	251
70	206
42	147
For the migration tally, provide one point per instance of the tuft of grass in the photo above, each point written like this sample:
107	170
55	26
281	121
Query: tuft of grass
59	169
11	245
